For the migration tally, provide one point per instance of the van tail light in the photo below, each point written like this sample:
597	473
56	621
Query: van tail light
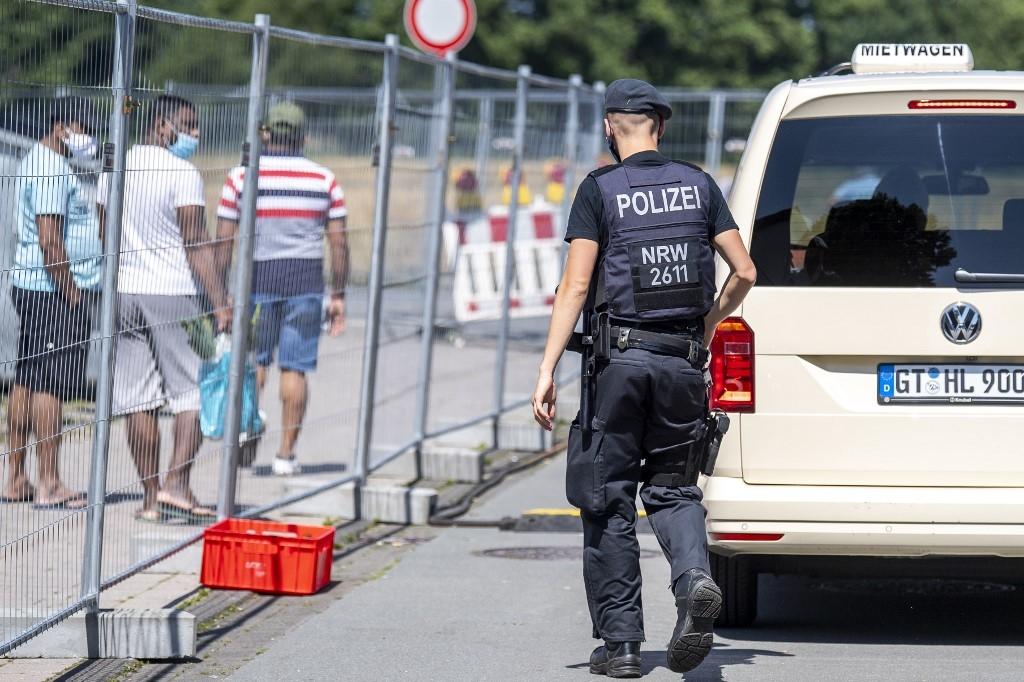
732	367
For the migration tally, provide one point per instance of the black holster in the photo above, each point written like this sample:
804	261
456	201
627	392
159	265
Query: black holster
685	468
718	426
594	344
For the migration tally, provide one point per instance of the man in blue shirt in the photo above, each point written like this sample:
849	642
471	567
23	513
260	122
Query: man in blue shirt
56	272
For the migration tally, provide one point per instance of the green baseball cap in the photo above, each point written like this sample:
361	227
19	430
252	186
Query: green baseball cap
286	113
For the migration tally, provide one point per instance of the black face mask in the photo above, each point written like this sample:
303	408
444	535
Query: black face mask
613	149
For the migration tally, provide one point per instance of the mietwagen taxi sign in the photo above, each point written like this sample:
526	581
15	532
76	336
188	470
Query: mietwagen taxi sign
911	57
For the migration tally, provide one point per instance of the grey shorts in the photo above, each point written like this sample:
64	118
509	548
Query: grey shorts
156	364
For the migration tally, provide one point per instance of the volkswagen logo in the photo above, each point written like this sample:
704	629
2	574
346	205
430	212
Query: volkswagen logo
961	323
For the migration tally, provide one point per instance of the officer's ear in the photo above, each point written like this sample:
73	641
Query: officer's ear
607	128
661	127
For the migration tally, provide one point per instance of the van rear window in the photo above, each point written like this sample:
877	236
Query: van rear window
891	201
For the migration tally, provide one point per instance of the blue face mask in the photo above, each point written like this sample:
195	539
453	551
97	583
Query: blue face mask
184	145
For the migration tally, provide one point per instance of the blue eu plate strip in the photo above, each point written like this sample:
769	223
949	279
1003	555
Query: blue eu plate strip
886	379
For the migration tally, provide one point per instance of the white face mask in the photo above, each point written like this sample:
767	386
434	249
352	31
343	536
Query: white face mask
82	146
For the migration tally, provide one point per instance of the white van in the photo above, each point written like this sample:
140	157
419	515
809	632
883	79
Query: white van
877	368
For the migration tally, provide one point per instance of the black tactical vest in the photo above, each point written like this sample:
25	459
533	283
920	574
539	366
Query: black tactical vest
657	262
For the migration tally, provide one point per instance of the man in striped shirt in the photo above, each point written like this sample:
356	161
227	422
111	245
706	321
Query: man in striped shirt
298	202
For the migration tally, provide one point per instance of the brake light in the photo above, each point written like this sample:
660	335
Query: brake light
732	367
961	104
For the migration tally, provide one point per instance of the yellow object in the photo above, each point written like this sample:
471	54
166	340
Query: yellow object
525	197
572	511
555	192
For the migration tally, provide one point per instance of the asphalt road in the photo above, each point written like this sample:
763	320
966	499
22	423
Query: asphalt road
473	605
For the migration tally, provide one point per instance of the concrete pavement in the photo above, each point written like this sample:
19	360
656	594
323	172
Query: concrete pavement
484	604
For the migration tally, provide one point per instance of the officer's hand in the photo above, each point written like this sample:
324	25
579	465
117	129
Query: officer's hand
544	400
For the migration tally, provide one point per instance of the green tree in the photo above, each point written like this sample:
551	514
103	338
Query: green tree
698	43
993	28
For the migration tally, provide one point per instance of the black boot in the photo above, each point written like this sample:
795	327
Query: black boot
616	659
698	602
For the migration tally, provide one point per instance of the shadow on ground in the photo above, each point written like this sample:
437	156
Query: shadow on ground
886	611
713	669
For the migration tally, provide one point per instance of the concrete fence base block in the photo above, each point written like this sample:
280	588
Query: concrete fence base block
383	499
398	504
156	634
451	463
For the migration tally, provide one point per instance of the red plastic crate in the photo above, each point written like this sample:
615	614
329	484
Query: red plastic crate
262	556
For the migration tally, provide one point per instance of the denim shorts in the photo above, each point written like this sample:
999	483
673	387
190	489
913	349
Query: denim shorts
289	325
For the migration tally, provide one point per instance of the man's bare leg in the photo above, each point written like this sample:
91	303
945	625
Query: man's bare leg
187	439
47	419
19	426
293	403
144	443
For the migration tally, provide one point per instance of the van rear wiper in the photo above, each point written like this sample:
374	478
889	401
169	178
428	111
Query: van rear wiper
963	276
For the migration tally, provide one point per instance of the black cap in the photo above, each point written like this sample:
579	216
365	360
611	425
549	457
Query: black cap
633	96
72	109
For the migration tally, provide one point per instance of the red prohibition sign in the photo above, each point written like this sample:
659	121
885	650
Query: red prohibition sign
440	26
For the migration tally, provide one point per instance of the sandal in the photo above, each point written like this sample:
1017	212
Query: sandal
76	501
195	513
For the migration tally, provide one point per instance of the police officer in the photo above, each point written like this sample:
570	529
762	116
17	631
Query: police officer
642	239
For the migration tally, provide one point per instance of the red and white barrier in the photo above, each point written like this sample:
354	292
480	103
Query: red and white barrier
480	263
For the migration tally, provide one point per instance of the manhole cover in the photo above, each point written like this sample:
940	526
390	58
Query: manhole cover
545	553
915	586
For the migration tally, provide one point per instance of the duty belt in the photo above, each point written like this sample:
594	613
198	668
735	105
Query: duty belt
629	337
666	344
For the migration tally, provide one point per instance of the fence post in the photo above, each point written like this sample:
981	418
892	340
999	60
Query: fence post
599	140
240	320
519	137
572	145
716	130
483	143
389	85
442	152
114	154
572	140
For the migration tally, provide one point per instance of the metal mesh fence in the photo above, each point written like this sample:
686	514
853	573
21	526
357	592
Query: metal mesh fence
175	335
466	327
411	210
186	131
313	228
53	104
536	255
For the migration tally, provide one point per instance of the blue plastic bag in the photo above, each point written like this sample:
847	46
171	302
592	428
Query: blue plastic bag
213	394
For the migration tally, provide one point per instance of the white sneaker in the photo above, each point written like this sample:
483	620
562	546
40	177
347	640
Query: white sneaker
286	467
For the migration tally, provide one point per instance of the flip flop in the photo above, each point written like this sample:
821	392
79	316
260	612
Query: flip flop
194	514
4	499
78	501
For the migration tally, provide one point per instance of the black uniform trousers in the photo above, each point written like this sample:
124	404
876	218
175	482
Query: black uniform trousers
646	405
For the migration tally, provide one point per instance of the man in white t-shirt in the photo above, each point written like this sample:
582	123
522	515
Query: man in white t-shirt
165	251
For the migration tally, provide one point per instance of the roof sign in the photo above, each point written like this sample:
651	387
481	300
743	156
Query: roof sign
911	57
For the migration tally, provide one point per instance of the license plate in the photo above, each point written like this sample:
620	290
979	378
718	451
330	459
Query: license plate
950	384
